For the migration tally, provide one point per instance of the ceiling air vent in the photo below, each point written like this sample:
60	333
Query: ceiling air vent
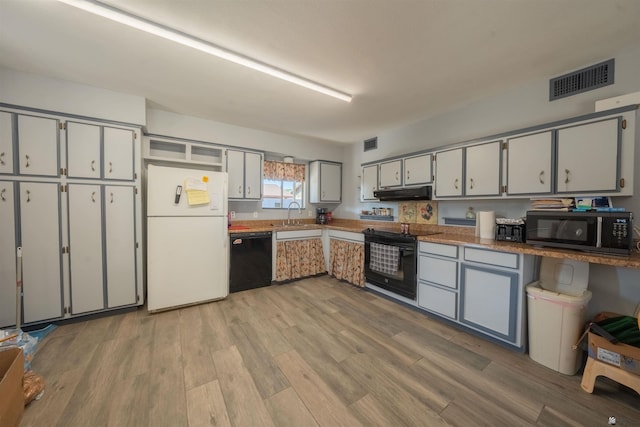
584	80
371	144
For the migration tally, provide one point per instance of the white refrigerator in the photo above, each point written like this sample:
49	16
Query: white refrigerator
187	237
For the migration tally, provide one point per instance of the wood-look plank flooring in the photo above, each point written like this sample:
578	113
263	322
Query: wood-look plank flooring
317	352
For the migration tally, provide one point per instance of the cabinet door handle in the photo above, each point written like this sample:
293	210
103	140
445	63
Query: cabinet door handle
397	175
541	177
28	196
470	183
111	197
248	190
239	189
4	190
567	176
93	197
323	195
2	158
110	167
27	157
408	174
93	165
455	184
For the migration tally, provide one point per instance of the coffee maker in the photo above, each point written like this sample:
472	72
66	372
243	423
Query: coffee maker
321	215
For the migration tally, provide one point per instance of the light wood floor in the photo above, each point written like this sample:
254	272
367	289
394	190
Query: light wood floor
308	353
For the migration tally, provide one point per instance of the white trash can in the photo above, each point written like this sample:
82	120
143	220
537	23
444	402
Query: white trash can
556	322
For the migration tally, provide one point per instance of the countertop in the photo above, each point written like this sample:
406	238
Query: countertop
445	234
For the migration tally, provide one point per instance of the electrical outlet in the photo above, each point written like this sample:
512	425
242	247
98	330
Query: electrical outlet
233	214
310	213
255	214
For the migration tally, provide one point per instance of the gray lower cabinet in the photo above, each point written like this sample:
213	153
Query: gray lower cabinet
120	245
40	231
478	288
489	300
102	254
7	254
37	230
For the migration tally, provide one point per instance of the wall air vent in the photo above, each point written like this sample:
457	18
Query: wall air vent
584	80
371	144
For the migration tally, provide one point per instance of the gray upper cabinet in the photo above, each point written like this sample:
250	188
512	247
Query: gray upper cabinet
84	159
418	169
391	174
245	175
6	143
449	181
83	150
482	168
325	182
589	156
118	154
38	146
529	164
369	182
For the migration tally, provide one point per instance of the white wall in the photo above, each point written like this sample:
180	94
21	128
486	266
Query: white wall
59	96
614	289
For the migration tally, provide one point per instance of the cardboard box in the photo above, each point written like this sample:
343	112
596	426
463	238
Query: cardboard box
11	373
623	356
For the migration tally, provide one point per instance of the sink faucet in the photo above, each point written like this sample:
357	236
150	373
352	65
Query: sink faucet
289	211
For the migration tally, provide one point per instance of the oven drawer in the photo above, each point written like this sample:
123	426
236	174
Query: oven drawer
439	271
437	300
449	251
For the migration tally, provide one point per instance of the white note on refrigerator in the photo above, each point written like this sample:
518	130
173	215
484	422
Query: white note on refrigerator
197	191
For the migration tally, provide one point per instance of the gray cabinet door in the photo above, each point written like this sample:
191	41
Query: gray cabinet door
38	146
482	166
85	248
7	255
83	150
391	174
120	245
252	176
41	251
529	164
449	173
369	182
417	170
330	182
118	154
6	143
489	300
235	170
588	157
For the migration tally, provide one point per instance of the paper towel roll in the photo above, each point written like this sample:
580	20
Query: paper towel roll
486	224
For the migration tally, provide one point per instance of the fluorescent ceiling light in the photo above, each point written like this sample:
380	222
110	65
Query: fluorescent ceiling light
147	26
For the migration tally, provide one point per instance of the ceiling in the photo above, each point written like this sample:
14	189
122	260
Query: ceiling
402	60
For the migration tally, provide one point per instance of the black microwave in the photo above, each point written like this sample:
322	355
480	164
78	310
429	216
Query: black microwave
600	232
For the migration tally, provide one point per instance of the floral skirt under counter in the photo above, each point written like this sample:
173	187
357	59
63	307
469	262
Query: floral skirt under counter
346	261
296	259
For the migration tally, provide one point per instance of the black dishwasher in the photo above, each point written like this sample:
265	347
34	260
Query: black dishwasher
250	264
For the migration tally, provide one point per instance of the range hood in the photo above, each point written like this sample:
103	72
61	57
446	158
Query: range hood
399	194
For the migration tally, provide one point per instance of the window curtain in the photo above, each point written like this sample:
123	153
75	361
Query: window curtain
284	171
299	258
346	261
